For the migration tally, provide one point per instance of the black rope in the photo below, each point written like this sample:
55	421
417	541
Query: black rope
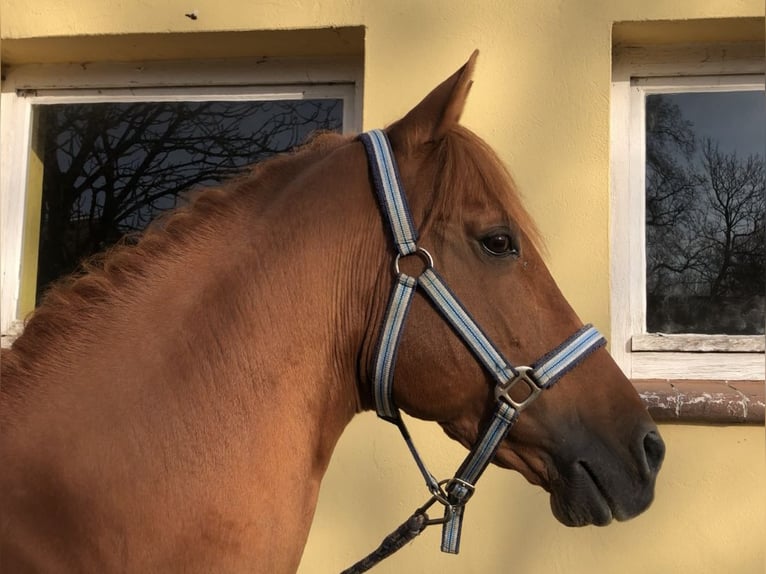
414	525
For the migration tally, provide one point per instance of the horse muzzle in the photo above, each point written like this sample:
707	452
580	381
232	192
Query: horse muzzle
596	487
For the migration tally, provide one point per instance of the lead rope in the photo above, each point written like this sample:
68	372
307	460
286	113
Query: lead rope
411	528
453	493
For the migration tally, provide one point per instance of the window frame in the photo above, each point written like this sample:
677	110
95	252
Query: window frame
39	84
639	70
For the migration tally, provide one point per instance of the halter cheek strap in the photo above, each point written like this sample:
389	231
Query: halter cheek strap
453	493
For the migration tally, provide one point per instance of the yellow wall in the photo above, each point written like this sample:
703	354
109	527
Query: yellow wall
541	98
708	514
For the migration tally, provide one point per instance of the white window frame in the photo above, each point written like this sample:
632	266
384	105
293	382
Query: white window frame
234	80
636	73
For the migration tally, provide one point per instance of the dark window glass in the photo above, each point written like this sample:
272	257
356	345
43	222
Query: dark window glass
705	212
110	168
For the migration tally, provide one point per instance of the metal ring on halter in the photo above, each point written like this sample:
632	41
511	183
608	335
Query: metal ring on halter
424	256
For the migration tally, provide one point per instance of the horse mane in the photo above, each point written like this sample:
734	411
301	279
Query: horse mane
105	279
464	159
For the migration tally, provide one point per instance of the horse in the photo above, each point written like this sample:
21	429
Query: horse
174	406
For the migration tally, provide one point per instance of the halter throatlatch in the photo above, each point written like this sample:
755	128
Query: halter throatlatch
453	493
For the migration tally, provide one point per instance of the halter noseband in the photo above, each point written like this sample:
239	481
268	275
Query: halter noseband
455	492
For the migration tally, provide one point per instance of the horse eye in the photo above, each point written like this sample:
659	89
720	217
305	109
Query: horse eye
499	245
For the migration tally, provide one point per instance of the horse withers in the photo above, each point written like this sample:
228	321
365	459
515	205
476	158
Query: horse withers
175	407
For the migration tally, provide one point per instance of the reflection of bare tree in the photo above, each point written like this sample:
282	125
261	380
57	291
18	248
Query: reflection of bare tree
670	189
110	168
704	230
732	224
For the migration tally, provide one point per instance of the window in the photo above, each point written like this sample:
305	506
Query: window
688	214
704	208
83	167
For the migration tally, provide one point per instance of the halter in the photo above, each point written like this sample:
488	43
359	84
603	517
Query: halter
452	493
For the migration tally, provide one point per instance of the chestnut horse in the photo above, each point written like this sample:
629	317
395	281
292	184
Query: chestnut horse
175	406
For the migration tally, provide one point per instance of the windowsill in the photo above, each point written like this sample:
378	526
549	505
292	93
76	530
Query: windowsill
693	343
701	401
9	336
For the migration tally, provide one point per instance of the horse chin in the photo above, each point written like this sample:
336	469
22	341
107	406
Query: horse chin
580	501
577	495
582	496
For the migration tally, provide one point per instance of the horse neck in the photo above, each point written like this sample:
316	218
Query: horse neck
321	258
260	321
218	385
292	296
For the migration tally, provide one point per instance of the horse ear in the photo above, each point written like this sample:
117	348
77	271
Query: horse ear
439	111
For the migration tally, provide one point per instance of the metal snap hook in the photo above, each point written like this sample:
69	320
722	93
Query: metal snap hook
448	511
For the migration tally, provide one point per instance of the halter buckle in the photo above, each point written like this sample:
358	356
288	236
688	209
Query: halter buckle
454	482
526	375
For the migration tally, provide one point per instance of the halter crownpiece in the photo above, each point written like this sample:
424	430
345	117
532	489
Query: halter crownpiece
453	493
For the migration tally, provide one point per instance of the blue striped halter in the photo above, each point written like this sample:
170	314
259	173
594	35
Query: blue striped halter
452	493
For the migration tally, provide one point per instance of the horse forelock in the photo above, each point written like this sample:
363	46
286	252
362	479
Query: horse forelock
107	280
469	173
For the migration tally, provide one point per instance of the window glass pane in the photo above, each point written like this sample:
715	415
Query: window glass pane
705	212
110	168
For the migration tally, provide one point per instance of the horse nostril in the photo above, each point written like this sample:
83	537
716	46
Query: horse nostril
654	451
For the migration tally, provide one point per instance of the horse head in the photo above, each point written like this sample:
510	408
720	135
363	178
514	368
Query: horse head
588	440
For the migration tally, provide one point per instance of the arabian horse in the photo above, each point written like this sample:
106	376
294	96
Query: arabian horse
174	406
